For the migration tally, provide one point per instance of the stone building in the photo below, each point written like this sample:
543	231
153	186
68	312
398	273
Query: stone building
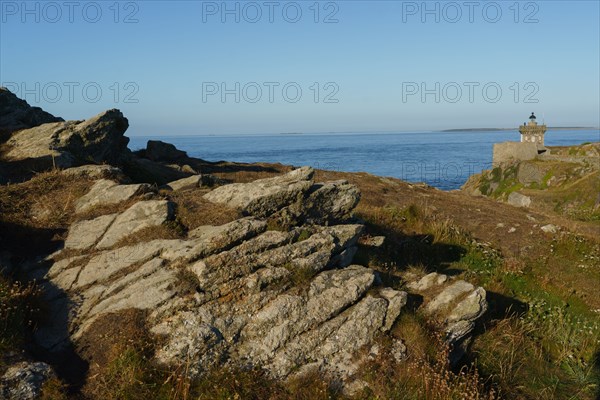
531	132
530	146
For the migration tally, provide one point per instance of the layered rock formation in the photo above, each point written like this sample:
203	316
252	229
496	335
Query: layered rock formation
287	300
280	299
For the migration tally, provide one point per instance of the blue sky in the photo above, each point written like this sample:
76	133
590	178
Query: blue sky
378	65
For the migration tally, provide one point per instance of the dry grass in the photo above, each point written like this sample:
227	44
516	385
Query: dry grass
168	230
34	215
255	384
45	201
508	354
54	389
193	211
20	309
118	348
426	373
524	362
106	209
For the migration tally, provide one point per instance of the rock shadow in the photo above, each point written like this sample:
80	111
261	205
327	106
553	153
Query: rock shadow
23	170
401	252
26	242
501	307
144	170
51	340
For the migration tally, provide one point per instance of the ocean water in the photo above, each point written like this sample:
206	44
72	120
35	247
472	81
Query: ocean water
441	159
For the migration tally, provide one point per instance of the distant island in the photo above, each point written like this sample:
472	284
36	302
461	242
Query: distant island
554	128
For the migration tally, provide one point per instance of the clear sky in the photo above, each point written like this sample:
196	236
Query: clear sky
197	67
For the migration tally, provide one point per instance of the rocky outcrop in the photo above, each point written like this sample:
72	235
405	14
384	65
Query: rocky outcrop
107	192
66	144
234	294
24	380
292	199
264	196
453	305
157	150
145	214
16	114
238	294
328	202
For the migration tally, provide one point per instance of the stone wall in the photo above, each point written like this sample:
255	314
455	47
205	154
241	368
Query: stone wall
514	151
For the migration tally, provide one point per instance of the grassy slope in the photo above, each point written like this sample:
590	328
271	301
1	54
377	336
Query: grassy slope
550	346
568	183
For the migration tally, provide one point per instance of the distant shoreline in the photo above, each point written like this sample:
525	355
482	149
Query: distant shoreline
558	128
550	128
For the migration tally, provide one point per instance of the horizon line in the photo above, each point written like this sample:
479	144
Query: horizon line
449	130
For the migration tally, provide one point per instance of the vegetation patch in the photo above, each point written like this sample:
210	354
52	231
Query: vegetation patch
425	374
35	214
20	309
194	211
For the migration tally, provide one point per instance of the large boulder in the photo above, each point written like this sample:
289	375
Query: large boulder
264	196
519	200
157	150
66	144
292	199
326	203
16	114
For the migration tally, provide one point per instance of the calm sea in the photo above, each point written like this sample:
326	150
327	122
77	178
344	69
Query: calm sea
441	159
